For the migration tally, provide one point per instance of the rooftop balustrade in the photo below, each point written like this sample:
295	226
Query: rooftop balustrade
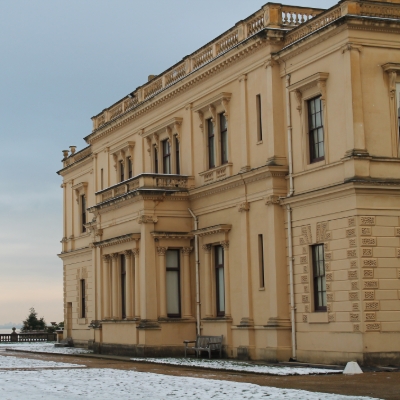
271	15
298	22
146	181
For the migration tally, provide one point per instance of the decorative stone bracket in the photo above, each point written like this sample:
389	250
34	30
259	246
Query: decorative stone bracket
317	80
80	189
210	105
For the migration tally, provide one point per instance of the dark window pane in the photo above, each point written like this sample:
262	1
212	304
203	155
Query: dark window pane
173	283
211	150
319	277
315	130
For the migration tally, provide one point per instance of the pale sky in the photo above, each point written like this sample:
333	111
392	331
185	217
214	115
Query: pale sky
61	62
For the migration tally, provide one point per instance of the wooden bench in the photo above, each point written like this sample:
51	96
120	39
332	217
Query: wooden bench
205	343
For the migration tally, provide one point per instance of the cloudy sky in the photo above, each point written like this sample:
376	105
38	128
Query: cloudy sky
61	63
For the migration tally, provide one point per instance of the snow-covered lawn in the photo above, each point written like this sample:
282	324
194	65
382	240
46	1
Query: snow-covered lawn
44	347
11	362
71	384
238	366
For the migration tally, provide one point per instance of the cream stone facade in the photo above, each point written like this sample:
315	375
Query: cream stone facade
253	191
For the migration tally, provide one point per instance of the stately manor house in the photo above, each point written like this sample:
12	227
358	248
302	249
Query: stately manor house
252	190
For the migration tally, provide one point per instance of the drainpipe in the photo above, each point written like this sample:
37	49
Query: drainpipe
289	217
292	305
289	136
196	254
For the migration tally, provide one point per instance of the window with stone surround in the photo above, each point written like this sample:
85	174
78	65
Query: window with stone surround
173	283
219	280
319	280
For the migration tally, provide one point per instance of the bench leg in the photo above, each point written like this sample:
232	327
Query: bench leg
185	351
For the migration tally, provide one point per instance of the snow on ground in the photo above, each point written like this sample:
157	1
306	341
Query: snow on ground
108	384
11	362
44	347
238	366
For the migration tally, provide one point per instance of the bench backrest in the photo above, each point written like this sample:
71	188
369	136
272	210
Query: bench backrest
214	342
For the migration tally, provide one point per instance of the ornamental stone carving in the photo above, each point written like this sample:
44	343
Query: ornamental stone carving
245	206
187	250
147	219
161	251
206	247
128	253
225	244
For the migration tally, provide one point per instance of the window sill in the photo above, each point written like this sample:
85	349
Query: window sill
261	289
316	164
82	321
259	142
318	317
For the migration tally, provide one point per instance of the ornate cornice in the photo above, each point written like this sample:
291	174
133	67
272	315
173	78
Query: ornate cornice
117	240
212	230
179	87
172	235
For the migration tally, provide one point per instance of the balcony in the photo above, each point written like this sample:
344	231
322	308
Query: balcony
167	183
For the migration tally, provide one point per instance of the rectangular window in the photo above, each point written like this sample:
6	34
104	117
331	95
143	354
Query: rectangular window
166	147
83	212
130	168
315	130
121	171
123	284
261	260
259	119
178	163
173	284
155	160
83	299
224	138
211	144
101	179
319	277
219	280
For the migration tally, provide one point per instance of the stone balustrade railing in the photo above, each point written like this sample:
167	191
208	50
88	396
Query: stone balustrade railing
271	15
350	8
79	155
146	181
297	21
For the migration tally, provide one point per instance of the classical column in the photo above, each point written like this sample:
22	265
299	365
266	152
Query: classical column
225	245
137	283
163	283
129	284
208	281
187	303
247	314
106	287
114	283
353	101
